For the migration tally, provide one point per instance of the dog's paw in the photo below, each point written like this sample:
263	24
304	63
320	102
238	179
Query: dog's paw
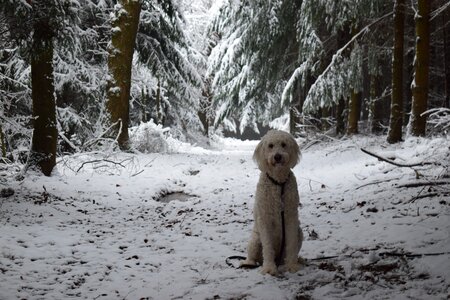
301	260
269	269
293	267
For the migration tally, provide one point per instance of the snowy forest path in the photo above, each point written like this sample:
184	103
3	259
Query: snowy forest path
104	232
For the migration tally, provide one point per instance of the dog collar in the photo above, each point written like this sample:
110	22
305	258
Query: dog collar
277	182
281	184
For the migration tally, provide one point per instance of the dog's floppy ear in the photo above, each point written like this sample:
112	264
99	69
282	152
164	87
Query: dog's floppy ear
258	155
295	154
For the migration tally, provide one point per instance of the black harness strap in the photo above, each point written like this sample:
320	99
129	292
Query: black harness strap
279	258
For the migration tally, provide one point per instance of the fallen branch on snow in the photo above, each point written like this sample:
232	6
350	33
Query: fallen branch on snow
427	183
421	164
377	182
101	160
395	254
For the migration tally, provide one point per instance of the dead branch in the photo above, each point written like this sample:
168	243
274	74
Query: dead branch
101	160
412	255
427	183
383	254
423	196
421	164
376	182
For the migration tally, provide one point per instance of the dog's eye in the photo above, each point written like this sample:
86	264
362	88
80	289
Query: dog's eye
283	145
270	146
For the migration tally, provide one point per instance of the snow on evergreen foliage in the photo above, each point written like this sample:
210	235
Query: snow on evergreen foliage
162	47
16	49
83	32
344	73
267	47
252	59
439	119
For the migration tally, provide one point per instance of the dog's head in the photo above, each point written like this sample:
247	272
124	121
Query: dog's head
277	152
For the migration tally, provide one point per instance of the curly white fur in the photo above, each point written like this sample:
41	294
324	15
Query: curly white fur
276	154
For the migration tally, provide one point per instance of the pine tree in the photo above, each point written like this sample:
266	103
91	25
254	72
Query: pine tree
421	69
395	124
333	57
254	56
2	142
163	51
446	46
354	103
124	29
45	134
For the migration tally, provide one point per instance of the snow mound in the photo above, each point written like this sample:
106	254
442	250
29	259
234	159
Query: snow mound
149	138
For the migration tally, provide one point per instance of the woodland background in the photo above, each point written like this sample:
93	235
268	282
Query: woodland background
75	74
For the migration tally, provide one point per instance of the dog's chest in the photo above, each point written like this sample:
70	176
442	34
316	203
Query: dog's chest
270	199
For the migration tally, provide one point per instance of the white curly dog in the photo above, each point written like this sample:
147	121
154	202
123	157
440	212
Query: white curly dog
276	237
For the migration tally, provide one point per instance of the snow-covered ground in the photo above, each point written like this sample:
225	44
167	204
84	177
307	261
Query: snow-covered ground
113	229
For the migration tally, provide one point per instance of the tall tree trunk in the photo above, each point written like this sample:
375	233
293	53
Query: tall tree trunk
354	104
45	134
158	103
365	93
296	108
421	69
340	123
124	29
446	37
204	113
2	142
395	123
324	120
353	112
376	105
144	97
407	91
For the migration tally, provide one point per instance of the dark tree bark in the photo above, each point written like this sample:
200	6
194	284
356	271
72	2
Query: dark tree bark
45	134
125	26
421	69
2	142
354	107
296	109
204	114
340	124
158	104
376	105
326	113
446	35
395	123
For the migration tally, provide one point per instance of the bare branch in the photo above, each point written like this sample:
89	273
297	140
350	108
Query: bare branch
421	164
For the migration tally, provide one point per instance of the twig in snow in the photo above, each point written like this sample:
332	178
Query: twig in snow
424	196
376	182
417	184
93	141
147	164
412	255
135	174
101	160
396	163
395	254
322	185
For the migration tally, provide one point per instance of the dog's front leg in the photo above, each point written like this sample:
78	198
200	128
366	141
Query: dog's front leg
294	238
293	244
253	250
268	249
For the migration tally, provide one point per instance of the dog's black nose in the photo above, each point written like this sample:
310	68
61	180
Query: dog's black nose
277	157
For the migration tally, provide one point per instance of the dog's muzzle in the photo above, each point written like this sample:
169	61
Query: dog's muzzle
278	159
